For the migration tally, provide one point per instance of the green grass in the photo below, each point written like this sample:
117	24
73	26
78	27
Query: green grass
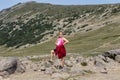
2	50
91	40
87	43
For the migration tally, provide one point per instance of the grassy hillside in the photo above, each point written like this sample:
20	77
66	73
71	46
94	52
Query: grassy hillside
91	29
90	43
30	23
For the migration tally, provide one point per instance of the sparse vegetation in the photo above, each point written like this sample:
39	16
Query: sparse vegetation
33	21
84	63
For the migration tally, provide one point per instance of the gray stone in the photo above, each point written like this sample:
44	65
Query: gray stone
76	69
109	60
66	69
50	71
73	60
46	64
99	64
78	59
4	74
68	63
111	53
117	58
56	62
11	65
104	71
42	68
20	67
8	64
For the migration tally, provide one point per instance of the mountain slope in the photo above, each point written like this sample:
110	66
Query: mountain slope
90	43
90	28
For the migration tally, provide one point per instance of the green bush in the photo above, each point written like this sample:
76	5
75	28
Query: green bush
84	63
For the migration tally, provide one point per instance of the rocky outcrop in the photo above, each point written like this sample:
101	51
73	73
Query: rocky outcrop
112	53
117	58
75	65
10	65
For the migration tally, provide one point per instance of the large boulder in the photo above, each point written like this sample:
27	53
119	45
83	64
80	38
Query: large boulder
112	53
10	65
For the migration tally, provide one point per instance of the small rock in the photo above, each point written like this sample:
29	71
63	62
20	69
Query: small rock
66	69
4	74
20	67
43	68
47	64
72	60
99	64
76	69
109	60
117	58
50	70
68	63
104	71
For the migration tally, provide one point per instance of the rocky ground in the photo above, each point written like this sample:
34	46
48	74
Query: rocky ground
77	67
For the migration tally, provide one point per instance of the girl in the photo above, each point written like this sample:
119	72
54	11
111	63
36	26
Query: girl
60	50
